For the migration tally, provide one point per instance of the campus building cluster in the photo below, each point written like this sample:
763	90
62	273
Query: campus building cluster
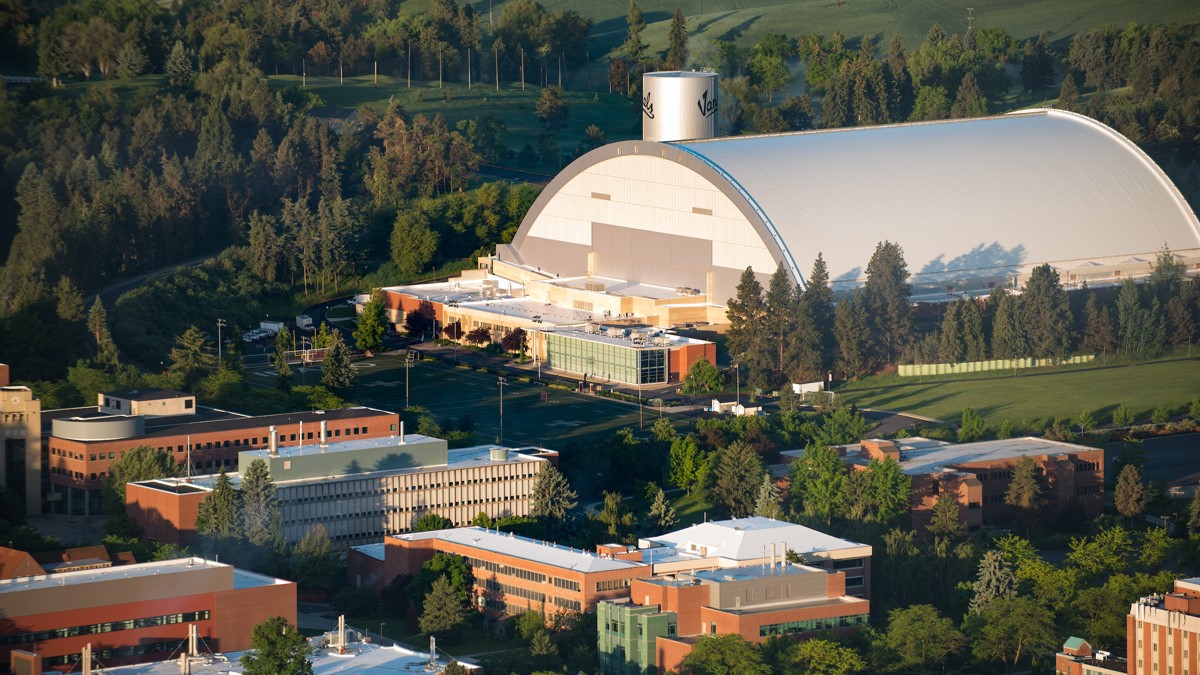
977	475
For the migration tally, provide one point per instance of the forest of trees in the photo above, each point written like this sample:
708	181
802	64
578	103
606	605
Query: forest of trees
784	334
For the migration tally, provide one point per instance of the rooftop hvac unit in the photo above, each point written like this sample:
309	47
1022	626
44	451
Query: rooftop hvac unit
489	283
662	341
590	328
594	286
614	331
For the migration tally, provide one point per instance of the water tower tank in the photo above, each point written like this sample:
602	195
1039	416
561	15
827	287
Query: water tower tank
679	106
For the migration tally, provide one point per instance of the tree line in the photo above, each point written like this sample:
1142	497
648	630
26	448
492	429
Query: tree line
785	334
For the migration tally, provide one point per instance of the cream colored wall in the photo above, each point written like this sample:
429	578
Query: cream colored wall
656	195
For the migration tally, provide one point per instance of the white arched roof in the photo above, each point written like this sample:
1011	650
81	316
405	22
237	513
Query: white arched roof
962	197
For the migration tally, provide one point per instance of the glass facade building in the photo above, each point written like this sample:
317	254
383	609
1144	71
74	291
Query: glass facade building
599	359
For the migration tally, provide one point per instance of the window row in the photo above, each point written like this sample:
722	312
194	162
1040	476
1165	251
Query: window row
107	627
792	627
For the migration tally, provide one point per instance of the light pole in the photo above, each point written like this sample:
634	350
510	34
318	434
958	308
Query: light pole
409	357
501	382
220	325
737	373
381	638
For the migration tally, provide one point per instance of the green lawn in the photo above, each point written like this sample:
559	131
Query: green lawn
1032	398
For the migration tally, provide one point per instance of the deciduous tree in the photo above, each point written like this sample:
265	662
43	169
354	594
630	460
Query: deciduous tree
1012	628
726	654
368	335
921	637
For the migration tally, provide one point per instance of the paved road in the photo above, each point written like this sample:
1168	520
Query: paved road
1174	459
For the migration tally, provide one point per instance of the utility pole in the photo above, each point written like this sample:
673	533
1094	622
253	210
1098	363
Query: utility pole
468	67
522	67
409	357
220	324
501	382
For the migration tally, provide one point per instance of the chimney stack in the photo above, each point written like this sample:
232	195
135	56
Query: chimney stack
273	442
324	436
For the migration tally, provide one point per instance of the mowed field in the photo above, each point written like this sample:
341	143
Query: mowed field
1032	399
561	418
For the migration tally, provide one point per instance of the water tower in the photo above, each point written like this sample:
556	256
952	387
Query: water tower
679	106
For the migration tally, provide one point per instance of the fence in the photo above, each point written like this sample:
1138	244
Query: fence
918	369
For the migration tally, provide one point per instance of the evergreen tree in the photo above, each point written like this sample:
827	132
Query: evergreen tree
443	610
780	307
1121	416
747	337
70	300
278	649
1130	494
889	489
97	323
974	340
662	514
178	67
1140	329
1037	66
737	477
220	513
339	376
1166	276
262	523
767	504
951	346
886	297
851	329
368	335
972	427
634	49
677	42
1046	314
552	109
1008	330
818	300
970	101
283	371
314	561
544	652
818	483
1181	324
191	357
944	519
1025	489
995	579
1068	94
1193	522
1098	336
553	497
141	463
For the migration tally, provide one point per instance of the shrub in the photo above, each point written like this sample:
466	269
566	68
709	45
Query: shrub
1121	417
1161	414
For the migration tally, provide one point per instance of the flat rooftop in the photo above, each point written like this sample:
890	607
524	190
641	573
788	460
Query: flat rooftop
212	420
84	577
555	555
375	551
148	394
359	658
315	448
920	456
743	539
620	287
625	336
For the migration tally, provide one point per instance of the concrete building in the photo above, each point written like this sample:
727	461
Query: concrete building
1163	632
361	490
746	542
82	443
1078	658
977	475
513	575
21	436
135	613
610	337
657	626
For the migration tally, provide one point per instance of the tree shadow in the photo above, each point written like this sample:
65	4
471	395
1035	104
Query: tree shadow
394	461
985	257
736	31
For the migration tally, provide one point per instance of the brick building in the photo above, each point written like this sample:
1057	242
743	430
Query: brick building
977	475
82	443
360	490
1078	658
136	613
513	574
657	626
1163	632
21	453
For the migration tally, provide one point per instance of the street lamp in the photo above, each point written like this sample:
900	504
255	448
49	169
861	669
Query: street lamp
220	324
501	382
381	638
409	357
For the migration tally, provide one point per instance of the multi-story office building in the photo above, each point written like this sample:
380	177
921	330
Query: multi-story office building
664	616
359	490
1163	632
83	443
21	443
136	613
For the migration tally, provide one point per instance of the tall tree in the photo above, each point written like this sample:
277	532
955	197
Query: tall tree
141	463
283	371
889	489
1166	276
97	322
339	376
974	340
723	655
767	503
1011	628
1141	331
951	346
972	427
262	523
780	305
368	335
852	331
995	579
1068	93
677	42
1193	522
278	649
1130	493
615	515
818	483
314	562
969	101
1037	66
553	497
747	337
824	657
946	520
443	610
818	300
634	49
552	109
69	300
686	463
736	478
662	514
178	67
1098	336
1046	314
220	514
1025	489
886	296
191	358
1008	329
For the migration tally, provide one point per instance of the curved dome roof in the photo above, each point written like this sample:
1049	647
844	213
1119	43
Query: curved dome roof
963	197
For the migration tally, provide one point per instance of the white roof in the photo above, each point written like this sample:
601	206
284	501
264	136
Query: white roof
547	553
922	455
747	538
359	658
375	551
962	197
178	566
